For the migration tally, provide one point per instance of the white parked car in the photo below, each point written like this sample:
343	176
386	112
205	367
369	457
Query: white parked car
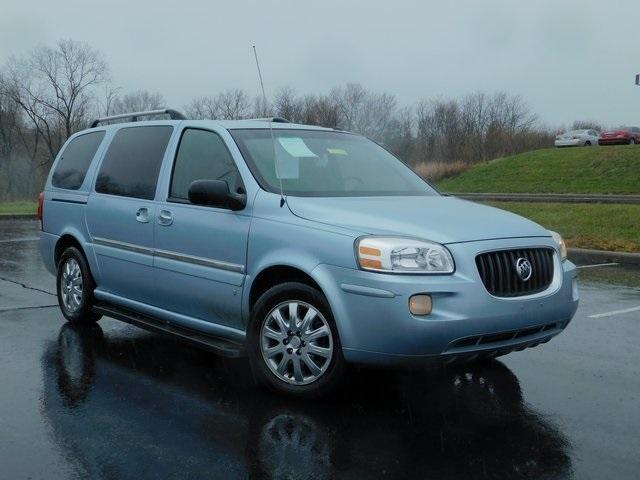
577	138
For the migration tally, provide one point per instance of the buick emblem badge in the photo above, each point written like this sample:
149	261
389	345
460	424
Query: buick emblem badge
524	269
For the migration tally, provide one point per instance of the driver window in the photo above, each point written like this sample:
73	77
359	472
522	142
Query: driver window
202	155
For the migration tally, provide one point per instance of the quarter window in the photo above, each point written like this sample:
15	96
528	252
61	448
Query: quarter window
75	160
202	155
132	163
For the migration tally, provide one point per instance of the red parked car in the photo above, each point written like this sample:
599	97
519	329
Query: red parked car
620	136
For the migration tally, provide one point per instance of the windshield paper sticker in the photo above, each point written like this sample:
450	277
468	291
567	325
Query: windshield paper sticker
296	147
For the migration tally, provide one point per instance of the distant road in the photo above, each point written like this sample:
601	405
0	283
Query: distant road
549	197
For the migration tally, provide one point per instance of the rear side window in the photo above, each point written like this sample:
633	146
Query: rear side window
132	163
75	160
202	155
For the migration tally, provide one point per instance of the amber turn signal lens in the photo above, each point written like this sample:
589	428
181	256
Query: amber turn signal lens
370	251
367	262
420	304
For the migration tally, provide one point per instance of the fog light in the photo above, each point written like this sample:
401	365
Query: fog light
420	304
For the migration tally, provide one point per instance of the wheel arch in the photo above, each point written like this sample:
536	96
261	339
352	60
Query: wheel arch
65	241
73	239
276	274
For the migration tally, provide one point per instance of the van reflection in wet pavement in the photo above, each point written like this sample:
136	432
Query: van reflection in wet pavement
124	404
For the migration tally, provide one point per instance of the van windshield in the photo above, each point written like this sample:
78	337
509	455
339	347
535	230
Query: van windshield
317	163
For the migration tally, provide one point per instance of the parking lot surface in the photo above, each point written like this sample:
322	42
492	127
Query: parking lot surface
116	402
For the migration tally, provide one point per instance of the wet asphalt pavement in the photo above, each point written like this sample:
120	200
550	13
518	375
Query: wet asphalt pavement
116	402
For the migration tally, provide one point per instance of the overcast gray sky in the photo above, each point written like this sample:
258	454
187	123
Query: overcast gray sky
569	59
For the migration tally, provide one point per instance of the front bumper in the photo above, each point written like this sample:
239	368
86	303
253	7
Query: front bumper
376	327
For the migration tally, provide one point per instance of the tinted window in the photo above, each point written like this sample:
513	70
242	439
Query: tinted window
202	155
131	165
75	160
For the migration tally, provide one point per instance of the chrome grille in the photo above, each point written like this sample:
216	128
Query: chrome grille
500	276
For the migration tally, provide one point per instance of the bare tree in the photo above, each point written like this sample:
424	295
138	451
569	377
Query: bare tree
309	111
377	115
9	123
262	108
319	110
233	104
137	101
400	137
350	100
19	176
55	88
287	105
365	112
477	128
202	108
109	97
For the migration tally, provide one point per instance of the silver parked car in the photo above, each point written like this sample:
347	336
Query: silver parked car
577	138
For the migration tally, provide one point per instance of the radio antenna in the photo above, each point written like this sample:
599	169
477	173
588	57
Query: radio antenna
273	141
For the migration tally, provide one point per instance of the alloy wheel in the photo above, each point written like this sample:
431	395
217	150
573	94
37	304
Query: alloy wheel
71	288
296	342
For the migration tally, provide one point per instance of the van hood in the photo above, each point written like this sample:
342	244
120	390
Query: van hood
437	218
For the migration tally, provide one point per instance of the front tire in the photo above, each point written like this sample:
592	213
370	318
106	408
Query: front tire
293	341
587	143
632	141
75	285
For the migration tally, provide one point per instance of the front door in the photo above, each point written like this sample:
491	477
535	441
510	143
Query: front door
200	251
121	212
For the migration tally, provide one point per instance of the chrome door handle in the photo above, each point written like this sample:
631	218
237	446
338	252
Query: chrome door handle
165	218
142	215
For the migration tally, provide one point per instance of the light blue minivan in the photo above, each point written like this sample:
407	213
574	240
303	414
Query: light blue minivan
304	248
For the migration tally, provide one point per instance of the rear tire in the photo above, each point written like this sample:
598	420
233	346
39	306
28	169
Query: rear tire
293	342
587	143
75	285
632	141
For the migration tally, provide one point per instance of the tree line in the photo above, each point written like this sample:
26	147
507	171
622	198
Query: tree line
53	91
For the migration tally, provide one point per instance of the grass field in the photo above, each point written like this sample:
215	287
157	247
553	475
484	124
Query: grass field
18	208
597	226
595	170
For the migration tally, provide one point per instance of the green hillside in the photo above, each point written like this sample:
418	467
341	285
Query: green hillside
594	170
597	226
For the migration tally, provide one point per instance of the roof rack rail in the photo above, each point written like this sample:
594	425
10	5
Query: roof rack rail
269	119
134	116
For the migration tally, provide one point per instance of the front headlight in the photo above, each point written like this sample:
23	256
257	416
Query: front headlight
403	255
561	245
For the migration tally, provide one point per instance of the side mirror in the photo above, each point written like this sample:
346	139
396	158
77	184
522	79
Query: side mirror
216	193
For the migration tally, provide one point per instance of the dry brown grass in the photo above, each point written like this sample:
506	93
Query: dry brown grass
434	171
